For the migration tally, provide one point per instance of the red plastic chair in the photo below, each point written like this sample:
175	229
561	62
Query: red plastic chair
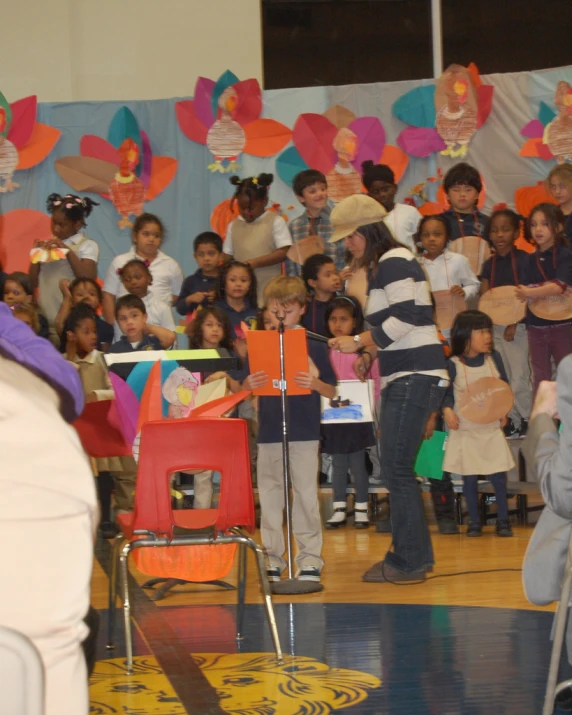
169	446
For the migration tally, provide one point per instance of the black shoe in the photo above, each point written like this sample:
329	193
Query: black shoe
510	431
108	529
503	527
447	526
564	700
523	429
475	529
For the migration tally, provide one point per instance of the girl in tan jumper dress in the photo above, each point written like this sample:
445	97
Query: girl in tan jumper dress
475	449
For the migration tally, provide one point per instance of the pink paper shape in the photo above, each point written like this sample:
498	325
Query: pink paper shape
249	104
127	407
23	120
484	102
313	136
420	141
189	123
146	159
533	130
371	139
98	148
202	101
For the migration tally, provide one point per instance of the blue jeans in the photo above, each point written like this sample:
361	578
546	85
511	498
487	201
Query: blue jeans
406	403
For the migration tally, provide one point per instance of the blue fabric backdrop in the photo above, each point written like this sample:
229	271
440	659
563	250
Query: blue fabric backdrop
186	204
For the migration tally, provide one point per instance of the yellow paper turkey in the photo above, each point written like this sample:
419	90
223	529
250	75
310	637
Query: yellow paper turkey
40	254
558	134
456	107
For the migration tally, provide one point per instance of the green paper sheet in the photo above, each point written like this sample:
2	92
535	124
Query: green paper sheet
429	462
192	354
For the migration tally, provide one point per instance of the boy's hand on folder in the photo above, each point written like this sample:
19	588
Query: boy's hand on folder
255	380
306	379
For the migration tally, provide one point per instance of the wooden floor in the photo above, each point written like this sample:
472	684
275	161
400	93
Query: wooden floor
352	626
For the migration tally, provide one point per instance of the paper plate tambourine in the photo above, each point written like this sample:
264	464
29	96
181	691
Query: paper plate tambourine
553	307
446	308
45	255
487	400
474	248
502	306
300	250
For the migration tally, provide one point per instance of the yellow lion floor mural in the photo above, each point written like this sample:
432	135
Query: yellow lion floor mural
246	684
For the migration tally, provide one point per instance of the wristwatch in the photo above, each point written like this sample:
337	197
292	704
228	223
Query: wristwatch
357	341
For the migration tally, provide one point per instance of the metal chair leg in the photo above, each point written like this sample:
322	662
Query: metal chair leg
560	627
124	576
260	562
112	595
241	590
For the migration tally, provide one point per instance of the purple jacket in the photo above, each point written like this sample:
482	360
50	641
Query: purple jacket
19	343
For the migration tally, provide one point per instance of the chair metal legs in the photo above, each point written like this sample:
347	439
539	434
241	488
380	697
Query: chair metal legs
559	630
112	595
241	590
124	576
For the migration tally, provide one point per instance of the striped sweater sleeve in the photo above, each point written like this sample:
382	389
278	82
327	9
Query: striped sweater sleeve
397	291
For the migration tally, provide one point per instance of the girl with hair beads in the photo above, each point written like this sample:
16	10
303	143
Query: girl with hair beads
258	237
148	234
402	220
83	353
137	280
507	267
88	291
18	290
450	276
68	214
347	443
474	449
548	275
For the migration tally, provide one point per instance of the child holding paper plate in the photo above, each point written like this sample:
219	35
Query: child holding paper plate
476	445
347	443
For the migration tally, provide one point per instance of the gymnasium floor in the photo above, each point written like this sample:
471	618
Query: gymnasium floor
454	645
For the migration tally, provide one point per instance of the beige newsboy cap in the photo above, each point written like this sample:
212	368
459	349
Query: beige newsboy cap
353	212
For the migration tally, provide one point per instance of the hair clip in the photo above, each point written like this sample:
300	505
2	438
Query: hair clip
56	203
255	181
146	263
119	271
69	206
500	207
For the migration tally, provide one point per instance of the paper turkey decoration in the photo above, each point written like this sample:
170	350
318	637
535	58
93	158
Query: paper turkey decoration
443	117
550	136
336	143
121	168
23	141
225	116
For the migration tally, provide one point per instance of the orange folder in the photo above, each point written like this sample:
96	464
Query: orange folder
264	354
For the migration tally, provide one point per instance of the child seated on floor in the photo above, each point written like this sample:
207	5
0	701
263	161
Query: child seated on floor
285	298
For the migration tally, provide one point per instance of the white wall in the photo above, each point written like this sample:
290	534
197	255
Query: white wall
71	50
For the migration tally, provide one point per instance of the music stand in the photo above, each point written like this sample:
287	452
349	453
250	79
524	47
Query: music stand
291	585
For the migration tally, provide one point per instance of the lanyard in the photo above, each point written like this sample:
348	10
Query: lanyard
540	268
464	364
514	269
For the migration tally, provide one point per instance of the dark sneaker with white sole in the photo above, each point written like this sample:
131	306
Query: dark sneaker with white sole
309	574
273	574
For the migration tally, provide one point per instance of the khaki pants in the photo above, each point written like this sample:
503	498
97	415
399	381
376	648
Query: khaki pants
306	522
516	363
203	489
125	485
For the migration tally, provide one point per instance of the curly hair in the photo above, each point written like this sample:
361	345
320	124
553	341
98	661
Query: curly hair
195	328
73	207
220	290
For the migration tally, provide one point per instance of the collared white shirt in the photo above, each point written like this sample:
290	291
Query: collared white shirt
158	313
403	221
448	270
280	233
167	276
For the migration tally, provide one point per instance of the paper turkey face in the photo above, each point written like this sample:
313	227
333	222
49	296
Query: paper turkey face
345	144
3	122
563	97
228	101
128	153
179	388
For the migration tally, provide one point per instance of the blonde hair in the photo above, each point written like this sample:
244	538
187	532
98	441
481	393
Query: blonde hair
563	171
286	289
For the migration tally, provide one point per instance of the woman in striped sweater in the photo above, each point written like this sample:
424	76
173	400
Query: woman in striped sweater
414	379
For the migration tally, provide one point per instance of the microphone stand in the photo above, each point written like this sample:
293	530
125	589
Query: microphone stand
290	585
